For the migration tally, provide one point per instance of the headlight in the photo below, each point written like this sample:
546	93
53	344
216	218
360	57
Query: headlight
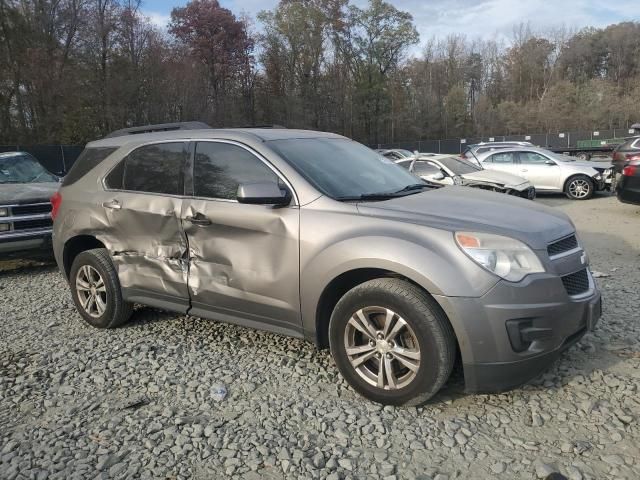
506	257
598	176
4	212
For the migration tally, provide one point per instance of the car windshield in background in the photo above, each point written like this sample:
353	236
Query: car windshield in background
404	153
343	169
23	169
459	166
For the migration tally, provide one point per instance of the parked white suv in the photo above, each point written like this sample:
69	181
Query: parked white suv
548	171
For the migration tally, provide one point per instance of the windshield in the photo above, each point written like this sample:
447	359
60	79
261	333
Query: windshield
459	166
23	168
343	169
404	153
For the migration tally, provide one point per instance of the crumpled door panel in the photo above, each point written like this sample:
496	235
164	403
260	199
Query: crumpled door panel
150	247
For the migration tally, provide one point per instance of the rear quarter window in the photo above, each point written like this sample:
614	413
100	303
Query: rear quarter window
87	161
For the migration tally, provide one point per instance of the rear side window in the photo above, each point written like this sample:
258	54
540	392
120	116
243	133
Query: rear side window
157	168
503	158
220	167
87	161
425	168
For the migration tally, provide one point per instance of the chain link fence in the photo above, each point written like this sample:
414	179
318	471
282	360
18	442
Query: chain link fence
575	139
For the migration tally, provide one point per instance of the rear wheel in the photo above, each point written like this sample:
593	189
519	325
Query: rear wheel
584	156
392	342
95	289
579	187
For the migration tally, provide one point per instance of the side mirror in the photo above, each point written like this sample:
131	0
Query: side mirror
550	162
263	193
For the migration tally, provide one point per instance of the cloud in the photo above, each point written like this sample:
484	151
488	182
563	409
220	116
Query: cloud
160	20
473	18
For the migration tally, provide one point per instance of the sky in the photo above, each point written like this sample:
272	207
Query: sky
482	19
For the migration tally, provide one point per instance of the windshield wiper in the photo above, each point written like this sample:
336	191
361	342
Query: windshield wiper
408	190
413	186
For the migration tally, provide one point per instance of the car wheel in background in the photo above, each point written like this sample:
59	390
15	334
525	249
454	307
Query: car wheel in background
579	187
584	156
95	289
392	342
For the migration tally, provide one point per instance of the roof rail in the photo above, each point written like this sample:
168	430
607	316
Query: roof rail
266	125
160	127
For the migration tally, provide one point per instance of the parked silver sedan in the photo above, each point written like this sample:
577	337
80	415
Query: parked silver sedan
548	171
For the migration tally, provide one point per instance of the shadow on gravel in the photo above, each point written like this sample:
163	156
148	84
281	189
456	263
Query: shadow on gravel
18	266
558	199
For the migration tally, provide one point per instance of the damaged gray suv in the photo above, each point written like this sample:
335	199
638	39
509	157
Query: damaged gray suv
315	236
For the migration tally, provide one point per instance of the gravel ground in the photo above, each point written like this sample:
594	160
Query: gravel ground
145	400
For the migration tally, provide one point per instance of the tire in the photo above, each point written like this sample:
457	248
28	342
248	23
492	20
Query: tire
427	330
579	187
94	270
584	156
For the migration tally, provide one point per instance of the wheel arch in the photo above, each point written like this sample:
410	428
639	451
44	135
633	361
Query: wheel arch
76	245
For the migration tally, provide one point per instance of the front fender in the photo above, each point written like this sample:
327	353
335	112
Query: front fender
440	268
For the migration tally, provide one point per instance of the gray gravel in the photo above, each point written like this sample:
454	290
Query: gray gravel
147	400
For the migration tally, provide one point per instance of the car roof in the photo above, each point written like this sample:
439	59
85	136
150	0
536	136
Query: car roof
251	134
522	148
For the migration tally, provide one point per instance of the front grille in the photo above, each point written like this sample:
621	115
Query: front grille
31	209
562	245
32	224
576	283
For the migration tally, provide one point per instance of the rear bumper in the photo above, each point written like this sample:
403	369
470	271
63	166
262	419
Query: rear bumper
514	332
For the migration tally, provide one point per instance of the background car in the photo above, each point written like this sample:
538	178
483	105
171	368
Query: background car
396	153
450	170
625	152
25	189
628	187
549	172
484	147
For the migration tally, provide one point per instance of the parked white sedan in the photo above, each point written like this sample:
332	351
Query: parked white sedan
548	171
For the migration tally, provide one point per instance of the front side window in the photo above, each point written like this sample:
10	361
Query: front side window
220	167
342	169
156	168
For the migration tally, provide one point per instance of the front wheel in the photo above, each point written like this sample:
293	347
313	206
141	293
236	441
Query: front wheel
392	342
579	187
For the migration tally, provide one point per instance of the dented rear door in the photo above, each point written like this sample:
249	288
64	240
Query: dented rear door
143	203
243	259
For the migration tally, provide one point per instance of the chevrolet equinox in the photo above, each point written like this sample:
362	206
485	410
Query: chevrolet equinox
313	235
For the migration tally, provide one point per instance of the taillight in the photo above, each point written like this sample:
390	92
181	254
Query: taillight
629	170
632	156
56	201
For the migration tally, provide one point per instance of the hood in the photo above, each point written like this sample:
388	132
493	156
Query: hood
496	176
583	164
463	208
18	193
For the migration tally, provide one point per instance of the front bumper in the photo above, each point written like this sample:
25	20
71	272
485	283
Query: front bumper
550	320
13	245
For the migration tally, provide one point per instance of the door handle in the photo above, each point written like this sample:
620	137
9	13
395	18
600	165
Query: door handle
112	204
199	219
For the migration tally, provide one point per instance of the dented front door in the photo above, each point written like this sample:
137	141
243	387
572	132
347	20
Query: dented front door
243	259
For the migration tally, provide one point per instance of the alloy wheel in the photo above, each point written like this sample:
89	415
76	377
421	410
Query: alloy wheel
92	291
579	188
382	348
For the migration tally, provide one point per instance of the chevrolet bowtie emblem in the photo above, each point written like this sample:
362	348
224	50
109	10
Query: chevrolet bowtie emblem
583	258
